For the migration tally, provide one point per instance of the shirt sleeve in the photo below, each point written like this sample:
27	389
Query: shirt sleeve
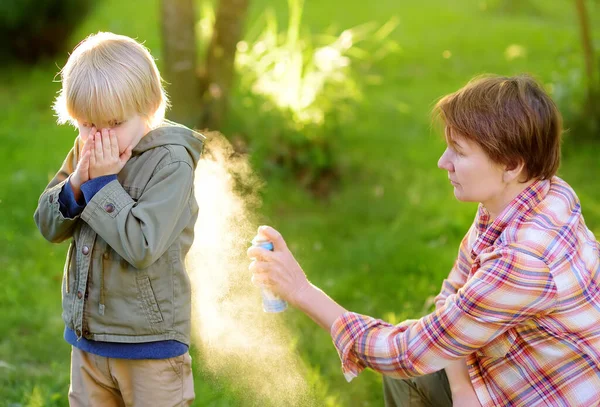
91	188
68	205
509	287
460	271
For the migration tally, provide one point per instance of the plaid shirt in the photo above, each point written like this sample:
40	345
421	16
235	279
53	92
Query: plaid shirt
522	304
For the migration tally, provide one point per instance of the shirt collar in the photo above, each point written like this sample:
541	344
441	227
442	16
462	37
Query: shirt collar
488	232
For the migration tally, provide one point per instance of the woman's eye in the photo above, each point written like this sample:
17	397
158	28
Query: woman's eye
457	152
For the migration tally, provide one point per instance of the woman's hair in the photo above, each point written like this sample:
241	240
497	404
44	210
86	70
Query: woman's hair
511	118
110	77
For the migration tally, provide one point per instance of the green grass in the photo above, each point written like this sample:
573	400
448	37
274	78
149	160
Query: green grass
380	245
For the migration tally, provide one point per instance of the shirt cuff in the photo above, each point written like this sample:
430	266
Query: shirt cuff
344	332
68	206
91	187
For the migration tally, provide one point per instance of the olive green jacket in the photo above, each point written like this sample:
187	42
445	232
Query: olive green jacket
124	277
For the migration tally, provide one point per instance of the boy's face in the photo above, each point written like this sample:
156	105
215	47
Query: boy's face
129	132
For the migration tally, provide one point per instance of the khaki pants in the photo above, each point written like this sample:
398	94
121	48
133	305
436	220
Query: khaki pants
432	390
108	382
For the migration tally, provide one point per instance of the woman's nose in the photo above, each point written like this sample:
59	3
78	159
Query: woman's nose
444	162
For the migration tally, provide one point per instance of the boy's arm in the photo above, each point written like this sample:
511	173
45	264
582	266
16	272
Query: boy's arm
69	205
141	231
54	224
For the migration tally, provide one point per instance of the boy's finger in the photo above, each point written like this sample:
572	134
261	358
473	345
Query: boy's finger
92	152
85	147
89	143
106	144
90	135
98	147
114	143
85	161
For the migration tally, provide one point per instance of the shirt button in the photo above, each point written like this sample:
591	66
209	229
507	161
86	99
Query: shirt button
105	255
85	250
86	332
79	294
109	208
78	332
51	198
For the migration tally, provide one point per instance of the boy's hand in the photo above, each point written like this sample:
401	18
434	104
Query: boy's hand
82	171
105	158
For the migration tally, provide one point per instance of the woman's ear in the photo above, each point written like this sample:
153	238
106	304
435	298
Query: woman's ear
513	172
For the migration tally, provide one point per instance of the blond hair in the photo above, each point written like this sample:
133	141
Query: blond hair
511	118
107	78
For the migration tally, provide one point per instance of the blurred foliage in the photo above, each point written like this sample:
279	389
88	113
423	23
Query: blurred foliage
511	7
570	93
577	95
33	29
297	90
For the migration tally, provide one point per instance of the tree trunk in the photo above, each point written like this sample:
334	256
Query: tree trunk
179	54
593	77
588	47
220	58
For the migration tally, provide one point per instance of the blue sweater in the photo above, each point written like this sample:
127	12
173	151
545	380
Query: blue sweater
70	208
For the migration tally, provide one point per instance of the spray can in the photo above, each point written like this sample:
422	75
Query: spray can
271	303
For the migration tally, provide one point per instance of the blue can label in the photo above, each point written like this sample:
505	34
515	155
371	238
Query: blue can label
271	303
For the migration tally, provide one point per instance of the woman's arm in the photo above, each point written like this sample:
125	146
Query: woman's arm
509	287
318	306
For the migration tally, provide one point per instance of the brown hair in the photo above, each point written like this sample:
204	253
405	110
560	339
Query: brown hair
511	118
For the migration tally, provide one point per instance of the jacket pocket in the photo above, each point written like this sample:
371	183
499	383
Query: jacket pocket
149	303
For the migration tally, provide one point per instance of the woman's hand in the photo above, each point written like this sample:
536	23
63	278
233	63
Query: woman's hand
105	158
277	270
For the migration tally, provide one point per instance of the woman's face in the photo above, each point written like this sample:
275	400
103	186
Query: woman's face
474	176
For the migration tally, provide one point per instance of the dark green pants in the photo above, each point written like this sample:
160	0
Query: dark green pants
432	390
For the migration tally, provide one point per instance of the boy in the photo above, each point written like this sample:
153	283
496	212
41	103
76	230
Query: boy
124	196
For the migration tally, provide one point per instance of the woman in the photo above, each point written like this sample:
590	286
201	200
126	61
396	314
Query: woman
517	322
